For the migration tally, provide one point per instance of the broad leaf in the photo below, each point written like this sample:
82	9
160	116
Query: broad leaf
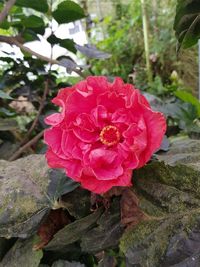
92	52
5	245
73	231
60	184
107	233
68	11
189	98
22	254
73	206
187	22
33	22
169	196
39	5
66	43
28	191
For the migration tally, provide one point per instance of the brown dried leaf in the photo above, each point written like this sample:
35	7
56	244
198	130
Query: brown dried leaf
131	214
55	221
115	191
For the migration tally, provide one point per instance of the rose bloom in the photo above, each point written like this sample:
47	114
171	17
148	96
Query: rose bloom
104	131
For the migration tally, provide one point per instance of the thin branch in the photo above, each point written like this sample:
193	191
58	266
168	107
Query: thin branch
14	41
17	154
42	102
6	10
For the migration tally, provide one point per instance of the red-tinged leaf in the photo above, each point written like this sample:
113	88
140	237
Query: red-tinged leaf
55	221
131	214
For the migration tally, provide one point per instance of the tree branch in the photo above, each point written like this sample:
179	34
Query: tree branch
26	146
16	41
6	9
46	90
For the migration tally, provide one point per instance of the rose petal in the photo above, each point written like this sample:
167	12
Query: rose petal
72	167
100	187
53	137
105	164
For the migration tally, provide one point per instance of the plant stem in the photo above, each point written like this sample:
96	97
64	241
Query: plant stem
26	146
42	102
6	9
146	40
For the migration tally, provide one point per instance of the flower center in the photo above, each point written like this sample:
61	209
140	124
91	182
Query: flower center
110	135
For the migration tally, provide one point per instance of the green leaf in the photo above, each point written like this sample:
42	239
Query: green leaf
24	203
189	98
39	5
92	52
4	95
107	233
73	231
22	254
66	43
169	196
5	25
60	184
73	206
33	22
187	22
68	11
5	245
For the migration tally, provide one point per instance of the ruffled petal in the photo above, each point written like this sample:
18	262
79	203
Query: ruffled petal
156	127
100	187
105	164
53	137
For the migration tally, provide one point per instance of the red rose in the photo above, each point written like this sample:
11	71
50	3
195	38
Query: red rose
104	131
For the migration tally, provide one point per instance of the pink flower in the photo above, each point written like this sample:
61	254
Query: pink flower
104	131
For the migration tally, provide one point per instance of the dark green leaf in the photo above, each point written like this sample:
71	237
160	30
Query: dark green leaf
22	254
66	43
169	195
187	22
33	22
5	25
68	11
106	234
39	5
73	231
73	206
60	184
5	245
30	35
24	195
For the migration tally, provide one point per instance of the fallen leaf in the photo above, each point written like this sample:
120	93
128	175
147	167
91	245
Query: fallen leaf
55	221
131	214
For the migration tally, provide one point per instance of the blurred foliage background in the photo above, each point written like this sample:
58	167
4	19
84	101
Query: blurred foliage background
104	38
